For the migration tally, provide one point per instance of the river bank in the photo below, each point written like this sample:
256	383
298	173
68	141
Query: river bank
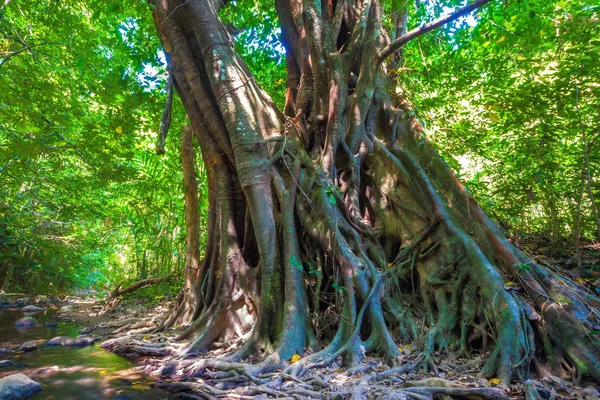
59	348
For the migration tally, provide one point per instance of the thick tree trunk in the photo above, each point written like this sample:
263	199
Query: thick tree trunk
187	302
342	211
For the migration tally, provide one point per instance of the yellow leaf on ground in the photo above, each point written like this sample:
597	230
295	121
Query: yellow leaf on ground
502	39
400	349
580	280
495	381
521	58
295	358
509	283
140	387
119	129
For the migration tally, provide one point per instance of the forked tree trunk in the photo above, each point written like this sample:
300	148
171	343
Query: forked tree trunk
342	211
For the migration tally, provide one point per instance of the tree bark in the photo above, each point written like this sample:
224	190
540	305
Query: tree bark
340	210
118	292
4	267
187	302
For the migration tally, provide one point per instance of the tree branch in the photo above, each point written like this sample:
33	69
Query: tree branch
165	120
138	285
415	33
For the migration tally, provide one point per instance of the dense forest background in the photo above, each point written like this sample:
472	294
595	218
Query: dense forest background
510	97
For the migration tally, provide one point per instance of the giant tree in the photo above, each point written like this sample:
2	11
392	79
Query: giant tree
337	208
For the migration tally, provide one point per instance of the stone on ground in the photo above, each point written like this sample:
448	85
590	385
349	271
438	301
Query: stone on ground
5	363
65	309
18	387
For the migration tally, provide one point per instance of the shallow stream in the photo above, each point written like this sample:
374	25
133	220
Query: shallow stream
68	372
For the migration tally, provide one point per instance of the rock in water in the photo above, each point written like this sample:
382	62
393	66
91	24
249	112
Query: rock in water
28	346
27	322
67	341
18	387
56	341
4	351
86	340
31	309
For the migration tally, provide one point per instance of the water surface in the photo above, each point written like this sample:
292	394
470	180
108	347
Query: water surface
69	373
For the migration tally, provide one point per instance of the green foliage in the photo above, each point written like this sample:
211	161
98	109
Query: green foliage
522	267
154	294
295	263
338	288
499	101
85	200
312	270
256	31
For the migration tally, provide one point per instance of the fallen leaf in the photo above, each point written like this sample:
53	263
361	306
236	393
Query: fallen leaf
295	358
119	129
140	387
495	381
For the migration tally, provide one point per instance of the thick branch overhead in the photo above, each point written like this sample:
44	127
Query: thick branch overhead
415	33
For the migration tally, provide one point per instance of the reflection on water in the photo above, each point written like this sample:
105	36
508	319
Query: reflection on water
68	372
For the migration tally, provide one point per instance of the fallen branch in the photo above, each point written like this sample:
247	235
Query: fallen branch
118	292
113	297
